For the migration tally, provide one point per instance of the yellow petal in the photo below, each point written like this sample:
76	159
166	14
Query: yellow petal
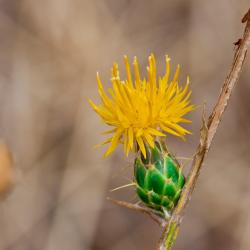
185	120
137	74
125	143
130	137
103	143
177	72
93	105
177	128
128	70
169	130
109	131
155	132
114	142
167	68
141	146
149	139
115	72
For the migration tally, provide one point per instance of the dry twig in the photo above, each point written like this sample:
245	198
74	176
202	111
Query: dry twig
150	212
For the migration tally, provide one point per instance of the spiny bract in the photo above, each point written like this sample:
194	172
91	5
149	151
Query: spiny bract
139	110
159	179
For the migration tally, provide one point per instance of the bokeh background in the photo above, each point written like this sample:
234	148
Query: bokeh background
50	51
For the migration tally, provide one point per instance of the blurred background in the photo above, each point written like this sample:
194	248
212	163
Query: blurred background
50	51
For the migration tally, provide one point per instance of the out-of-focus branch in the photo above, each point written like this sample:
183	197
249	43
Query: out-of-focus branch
7	171
208	131
153	214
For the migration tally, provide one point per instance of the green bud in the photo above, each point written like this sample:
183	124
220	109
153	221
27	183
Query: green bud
159	179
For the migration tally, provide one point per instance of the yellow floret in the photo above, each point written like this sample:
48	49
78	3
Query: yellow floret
139	110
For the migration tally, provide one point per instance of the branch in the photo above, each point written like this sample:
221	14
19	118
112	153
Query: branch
150	212
208	131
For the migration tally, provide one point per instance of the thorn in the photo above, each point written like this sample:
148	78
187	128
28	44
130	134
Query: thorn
238	43
124	186
246	17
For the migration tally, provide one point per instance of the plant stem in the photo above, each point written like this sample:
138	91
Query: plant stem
155	215
208	131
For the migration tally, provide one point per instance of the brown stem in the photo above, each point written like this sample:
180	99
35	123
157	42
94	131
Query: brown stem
157	217
208	131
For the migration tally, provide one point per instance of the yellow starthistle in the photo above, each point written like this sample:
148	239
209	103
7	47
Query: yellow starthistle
139	109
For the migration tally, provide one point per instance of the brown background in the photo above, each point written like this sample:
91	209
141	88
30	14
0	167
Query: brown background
49	53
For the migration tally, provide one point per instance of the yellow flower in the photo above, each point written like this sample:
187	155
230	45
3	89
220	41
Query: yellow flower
139	109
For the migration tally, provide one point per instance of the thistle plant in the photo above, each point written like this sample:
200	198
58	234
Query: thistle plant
142	112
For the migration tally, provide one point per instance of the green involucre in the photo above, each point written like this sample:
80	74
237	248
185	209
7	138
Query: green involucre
159	179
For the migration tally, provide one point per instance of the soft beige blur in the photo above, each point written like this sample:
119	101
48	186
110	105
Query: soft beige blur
50	52
6	169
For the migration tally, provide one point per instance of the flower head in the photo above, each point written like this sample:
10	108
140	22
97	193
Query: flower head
139	109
